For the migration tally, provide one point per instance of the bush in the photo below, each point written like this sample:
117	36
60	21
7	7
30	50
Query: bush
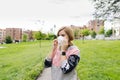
24	37
108	33
8	40
93	34
102	31
85	32
51	36
38	35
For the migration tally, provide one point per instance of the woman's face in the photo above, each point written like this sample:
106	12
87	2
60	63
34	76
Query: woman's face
63	34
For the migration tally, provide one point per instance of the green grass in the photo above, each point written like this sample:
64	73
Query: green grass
100	60
22	61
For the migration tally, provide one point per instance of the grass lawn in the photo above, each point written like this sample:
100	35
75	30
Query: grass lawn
22	61
100	60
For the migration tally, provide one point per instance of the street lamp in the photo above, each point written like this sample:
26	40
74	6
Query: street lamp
40	31
54	28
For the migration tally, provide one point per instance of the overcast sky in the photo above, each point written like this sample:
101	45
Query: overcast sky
44	14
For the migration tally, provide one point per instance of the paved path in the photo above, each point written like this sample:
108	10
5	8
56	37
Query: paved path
46	74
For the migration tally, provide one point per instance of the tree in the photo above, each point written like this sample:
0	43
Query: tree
24	37
76	33
85	32
51	36
43	36
38	35
108	33
8	40
106	9
93	34
101	31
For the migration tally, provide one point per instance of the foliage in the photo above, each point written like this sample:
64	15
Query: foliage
102	30
8	39
85	32
108	33
76	33
106	8
51	36
24	38
93	34
38	35
42	36
34	34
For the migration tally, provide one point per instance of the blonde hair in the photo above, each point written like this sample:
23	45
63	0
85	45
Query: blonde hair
69	32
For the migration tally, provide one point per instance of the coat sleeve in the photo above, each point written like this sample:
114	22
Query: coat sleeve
48	62
69	64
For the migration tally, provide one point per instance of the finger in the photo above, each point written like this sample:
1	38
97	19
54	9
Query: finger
55	42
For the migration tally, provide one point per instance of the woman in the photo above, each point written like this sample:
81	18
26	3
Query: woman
64	56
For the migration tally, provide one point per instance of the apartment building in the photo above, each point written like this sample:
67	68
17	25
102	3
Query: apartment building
77	30
15	33
2	35
95	25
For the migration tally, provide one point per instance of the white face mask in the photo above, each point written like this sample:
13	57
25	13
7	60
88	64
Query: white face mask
60	40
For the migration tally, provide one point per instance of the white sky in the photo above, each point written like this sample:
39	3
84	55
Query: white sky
44	14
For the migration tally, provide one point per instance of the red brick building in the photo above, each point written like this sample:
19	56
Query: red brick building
15	33
95	25
77	30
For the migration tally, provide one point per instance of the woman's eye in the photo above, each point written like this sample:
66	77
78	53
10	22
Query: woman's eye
63	35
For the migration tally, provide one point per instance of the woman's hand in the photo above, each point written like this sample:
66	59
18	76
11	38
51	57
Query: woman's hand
55	44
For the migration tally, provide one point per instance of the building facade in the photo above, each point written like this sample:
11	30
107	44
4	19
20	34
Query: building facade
95	25
78	30
15	33
2	35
